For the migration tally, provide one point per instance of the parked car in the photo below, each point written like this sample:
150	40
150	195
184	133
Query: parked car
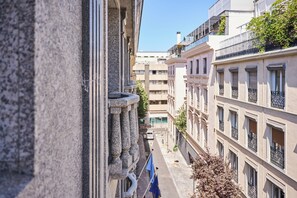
150	135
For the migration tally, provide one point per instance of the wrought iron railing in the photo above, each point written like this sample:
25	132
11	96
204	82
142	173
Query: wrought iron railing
277	157
234	92
252	191
221	125
278	99
252	95
221	89
235	175
252	141
234	133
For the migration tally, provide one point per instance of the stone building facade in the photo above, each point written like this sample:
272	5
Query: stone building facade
61	106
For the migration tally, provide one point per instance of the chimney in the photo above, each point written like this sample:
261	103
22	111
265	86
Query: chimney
178	37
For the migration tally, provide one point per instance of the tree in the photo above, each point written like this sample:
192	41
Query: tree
213	177
181	120
222	26
143	100
278	27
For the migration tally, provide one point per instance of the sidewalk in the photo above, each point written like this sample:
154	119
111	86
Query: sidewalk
178	168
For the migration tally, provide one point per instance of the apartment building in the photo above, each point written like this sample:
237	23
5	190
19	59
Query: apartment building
67	128
199	55
176	85
256	113
151	70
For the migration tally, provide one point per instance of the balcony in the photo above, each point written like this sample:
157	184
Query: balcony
277	157
252	95
241	44
234	133
221	125
278	99
252	191
123	134
198	42
252	141
234	92
221	89
131	87
235	175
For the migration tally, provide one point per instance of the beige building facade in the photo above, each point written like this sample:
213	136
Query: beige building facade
151	70
256	116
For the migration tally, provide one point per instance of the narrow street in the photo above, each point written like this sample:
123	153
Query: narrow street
166	183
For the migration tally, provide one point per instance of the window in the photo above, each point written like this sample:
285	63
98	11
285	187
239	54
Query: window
221	118
234	165
220	149
165	82
252	134
205	95
278	88
197	66
251	181
234	87
221	82
191	67
277	149
154	72
204	65
252	87
197	97
275	191
234	125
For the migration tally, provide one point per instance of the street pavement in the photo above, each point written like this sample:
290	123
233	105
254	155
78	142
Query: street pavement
166	184
173	171
179	171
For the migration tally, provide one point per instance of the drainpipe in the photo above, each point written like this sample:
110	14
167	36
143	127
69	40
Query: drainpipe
133	187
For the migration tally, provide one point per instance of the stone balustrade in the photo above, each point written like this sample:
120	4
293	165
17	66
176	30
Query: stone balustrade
123	134
131	88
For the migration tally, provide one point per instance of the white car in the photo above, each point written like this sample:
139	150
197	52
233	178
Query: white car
150	135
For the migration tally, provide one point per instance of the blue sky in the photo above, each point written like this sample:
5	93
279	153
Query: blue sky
161	19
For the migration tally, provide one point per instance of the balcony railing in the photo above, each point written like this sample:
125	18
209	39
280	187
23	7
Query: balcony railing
123	135
252	95
234	92
241	44
235	175
198	42
252	191
234	133
131	88
277	157
278	99
221	125
221	89
252	141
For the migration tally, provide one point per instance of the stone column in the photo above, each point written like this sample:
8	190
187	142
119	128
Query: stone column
134	132
116	144
114	50
126	144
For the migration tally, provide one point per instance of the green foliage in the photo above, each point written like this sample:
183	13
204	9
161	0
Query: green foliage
181	120
278	27
214	177
222	26
143	100
175	148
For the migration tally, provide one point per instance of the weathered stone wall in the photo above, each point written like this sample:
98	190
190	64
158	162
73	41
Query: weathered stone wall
17	86
41	108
